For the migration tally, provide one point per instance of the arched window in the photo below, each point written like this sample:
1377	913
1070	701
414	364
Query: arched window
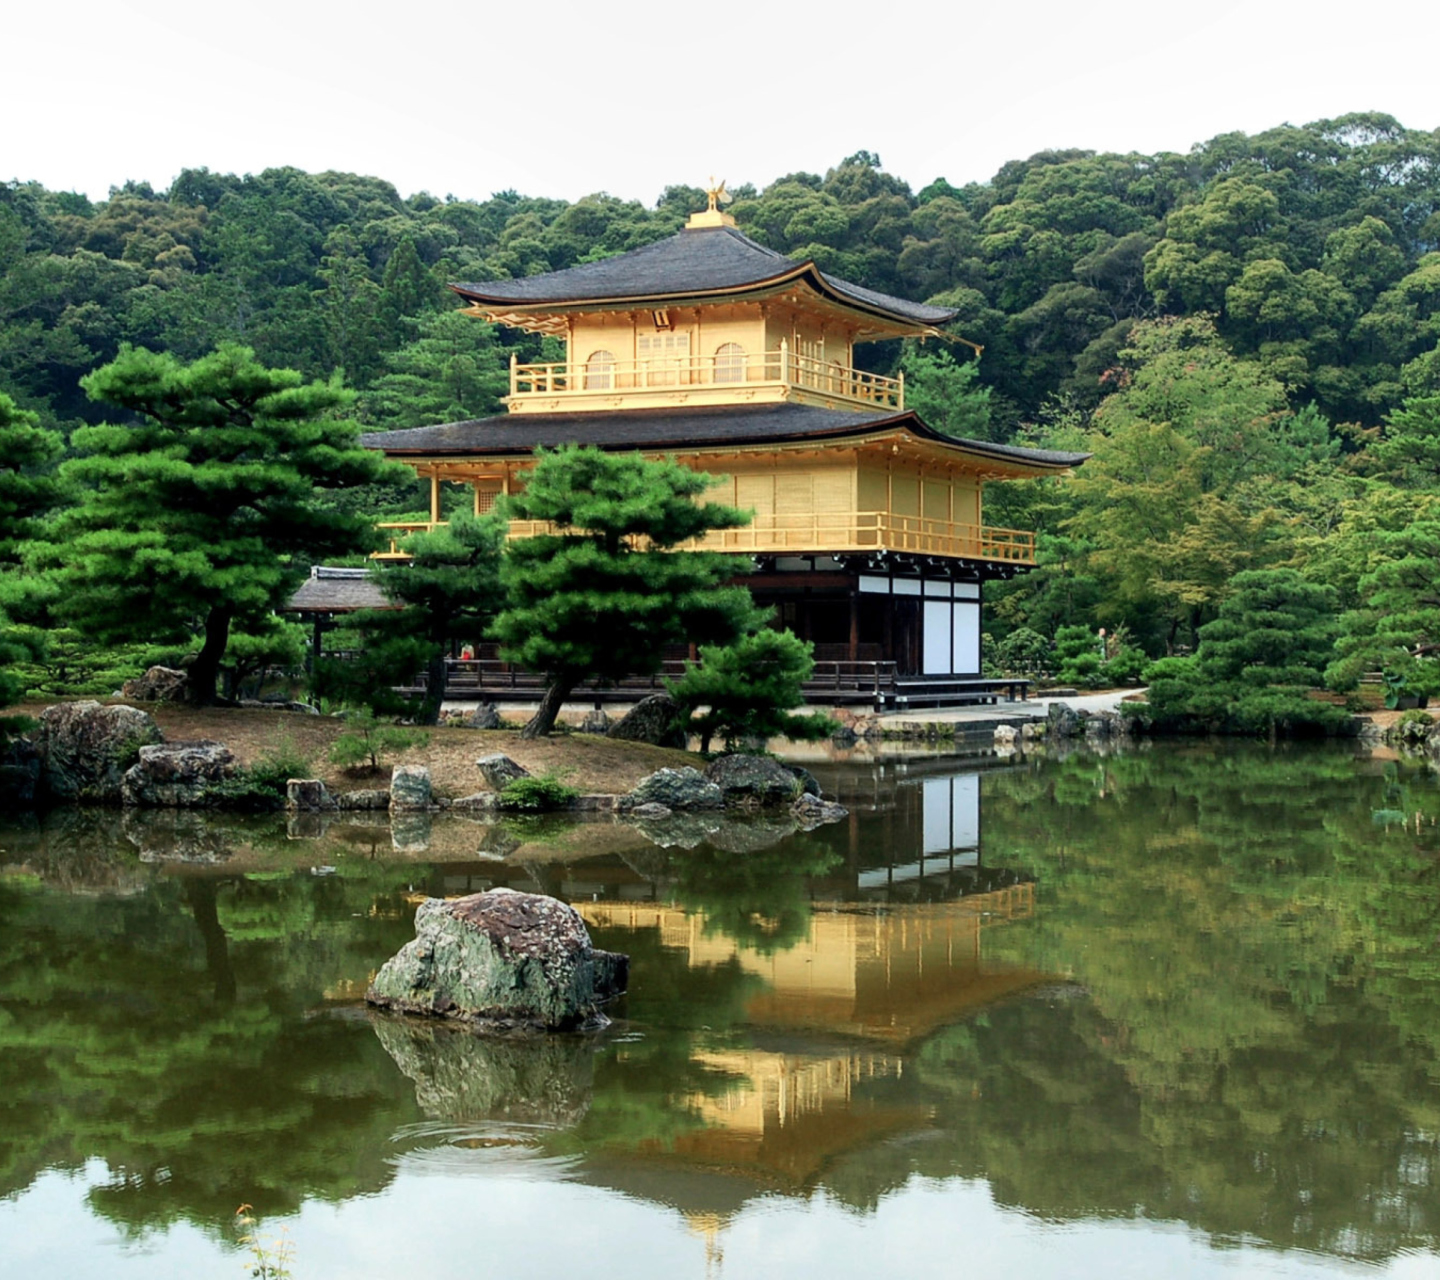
600	371
730	363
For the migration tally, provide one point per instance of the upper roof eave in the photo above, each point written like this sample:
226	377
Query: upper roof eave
740	268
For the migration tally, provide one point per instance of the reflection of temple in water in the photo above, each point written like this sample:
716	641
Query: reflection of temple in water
892	950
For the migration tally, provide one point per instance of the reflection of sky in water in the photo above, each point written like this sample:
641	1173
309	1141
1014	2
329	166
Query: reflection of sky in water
523	1220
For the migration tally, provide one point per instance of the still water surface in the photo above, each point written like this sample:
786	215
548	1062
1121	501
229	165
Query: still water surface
1175	1010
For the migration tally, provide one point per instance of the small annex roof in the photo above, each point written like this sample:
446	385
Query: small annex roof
330	590
695	263
683	429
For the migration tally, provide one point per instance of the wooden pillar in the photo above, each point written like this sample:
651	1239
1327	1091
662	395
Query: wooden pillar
854	624
434	498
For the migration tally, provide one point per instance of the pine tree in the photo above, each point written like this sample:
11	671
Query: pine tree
26	490
449	591
749	690
204	509
1257	662
600	597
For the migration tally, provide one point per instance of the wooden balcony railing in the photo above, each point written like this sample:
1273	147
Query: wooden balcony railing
740	372
808	534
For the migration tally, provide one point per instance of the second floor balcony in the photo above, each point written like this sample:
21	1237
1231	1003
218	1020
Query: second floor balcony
840	533
730	376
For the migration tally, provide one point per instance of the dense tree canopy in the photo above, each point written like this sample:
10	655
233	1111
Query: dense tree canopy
1247	336
201	511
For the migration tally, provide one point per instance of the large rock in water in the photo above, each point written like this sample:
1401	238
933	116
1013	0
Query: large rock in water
177	775
503	959
685	788
651	720
85	749
753	780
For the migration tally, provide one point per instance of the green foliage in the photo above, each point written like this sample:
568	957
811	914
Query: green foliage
262	785
600	597
748	690
944	393
543	794
202	510
1257	662
367	740
1023	653
1395	626
26	491
445	594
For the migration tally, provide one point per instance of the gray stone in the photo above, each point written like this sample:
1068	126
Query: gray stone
159	684
502	959
844	736
484	801
485	716
753	780
685	788
1005	735
409	787
651	720
369	798
809	783
811	812
307	795
499	770
85	749
1061	720
177	775
650	810
595	721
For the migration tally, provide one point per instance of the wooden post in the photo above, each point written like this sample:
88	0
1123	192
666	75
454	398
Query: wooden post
854	624
434	497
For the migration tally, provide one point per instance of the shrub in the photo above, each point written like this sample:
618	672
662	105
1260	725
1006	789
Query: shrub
262	784
1023	653
1126	668
367	739
537	795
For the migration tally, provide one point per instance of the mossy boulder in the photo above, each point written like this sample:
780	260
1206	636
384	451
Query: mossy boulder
503	960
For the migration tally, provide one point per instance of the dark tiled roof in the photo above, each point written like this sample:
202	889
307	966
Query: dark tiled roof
696	261
329	590
680	429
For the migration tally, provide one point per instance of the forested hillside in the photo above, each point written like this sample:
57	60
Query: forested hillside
1286	289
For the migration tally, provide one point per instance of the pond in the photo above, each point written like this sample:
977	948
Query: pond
1174	1009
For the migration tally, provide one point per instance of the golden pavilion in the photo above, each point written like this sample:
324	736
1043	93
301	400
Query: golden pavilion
868	537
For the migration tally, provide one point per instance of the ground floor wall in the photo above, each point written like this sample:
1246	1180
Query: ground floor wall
927	624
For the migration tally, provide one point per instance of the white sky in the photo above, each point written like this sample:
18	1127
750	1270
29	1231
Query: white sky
552	99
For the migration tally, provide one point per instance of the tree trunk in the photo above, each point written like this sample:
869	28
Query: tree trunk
544	719
206	668
438	673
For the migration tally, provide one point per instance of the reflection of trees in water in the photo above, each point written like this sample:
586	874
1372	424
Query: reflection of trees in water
1264	989
165	1033
1254	1047
761	900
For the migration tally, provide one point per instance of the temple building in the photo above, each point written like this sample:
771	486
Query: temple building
868	537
